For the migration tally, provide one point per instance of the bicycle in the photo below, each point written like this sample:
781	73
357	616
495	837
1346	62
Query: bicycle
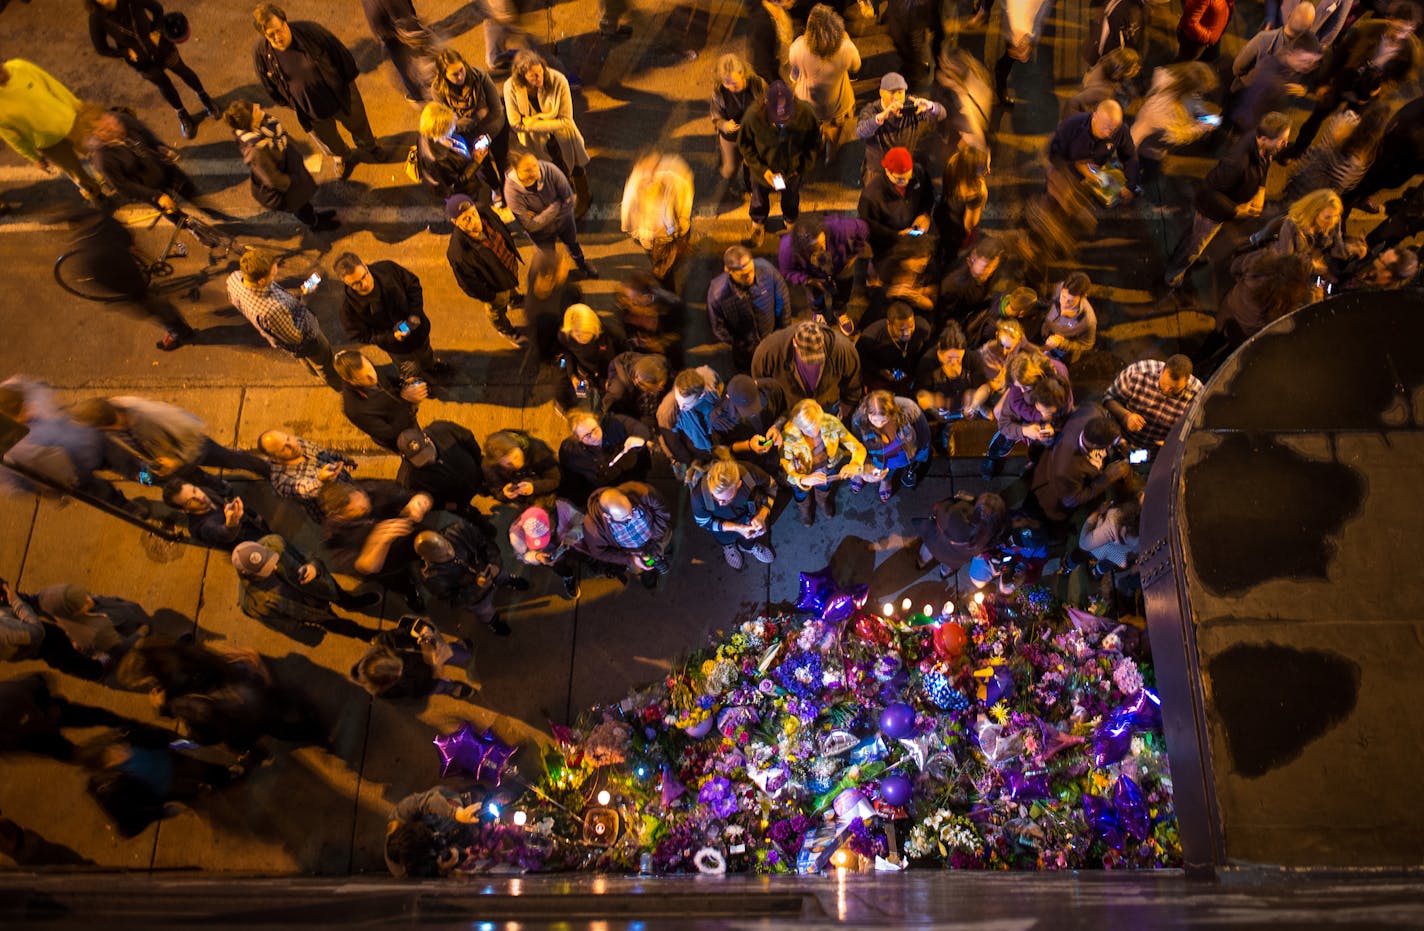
72	277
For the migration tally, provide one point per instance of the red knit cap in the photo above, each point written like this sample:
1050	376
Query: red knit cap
898	160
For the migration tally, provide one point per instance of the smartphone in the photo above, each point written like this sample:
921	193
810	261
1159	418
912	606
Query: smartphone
310	284
1210	119
778	182
1137	456
403	328
145	477
483	143
915	231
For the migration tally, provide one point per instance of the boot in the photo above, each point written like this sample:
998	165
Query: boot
756	236
807	507
827	500
185	125
210	107
578	177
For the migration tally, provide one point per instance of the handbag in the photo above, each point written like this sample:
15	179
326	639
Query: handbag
412	165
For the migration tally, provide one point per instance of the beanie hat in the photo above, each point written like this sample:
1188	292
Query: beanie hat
809	341
898	160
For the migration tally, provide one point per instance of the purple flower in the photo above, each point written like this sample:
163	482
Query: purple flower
717	794
800	674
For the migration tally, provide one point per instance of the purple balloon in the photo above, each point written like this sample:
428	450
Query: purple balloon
1131	809
896	790
1024	786
1102	820
897	721
816	589
481	756
671	789
1110	746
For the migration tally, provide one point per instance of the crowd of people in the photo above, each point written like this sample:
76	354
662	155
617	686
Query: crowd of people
852	347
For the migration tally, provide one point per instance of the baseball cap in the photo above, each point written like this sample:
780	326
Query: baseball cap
456	205
894	81
742	392
534	523
254	559
416	447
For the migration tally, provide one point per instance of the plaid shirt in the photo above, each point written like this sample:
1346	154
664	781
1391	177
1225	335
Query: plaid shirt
276	313
298	480
1137	388
633	533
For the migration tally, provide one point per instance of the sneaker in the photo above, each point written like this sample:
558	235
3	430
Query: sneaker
514	337
342	167
186	125
498	626
733	555
856	484
211	109
763	553
756	237
361	600
171	341
571	587
910	478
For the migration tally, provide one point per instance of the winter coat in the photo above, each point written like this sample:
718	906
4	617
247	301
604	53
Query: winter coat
333	63
840	371
396	296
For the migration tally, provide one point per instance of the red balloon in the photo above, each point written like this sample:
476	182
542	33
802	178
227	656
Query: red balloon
950	642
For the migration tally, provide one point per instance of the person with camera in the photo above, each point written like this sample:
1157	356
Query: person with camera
895	120
218	522
410	661
629	525
460	565
140	33
378	401
1075	470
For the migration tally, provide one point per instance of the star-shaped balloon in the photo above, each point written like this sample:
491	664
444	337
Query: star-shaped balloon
481	756
816	588
843	602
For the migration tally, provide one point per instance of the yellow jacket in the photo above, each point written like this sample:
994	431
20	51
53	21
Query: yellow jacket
36	111
796	449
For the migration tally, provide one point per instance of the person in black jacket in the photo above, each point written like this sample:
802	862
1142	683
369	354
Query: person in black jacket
485	261
779	142
445	462
384	305
370	529
479	111
375	400
897	202
461	566
303	66
891	349
606	450
1235	188
137	164
211	523
520	469
134	31
748	418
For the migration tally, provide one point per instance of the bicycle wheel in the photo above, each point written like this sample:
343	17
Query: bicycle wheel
70	274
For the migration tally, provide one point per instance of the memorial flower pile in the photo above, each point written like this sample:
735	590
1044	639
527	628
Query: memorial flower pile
998	735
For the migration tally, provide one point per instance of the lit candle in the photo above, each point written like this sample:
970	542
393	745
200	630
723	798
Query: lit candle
929	611
978	598
905	605
603	797
520	818
888	609
947	610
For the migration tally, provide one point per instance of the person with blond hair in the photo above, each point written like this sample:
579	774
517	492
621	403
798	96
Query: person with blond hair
587	347
733	502
821	62
656	212
448	163
816	452
1313	227
738	87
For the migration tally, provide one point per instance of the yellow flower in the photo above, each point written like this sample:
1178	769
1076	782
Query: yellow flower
1000	712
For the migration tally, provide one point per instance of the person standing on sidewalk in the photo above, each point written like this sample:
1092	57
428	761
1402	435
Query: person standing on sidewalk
778	141
303	66
279	178
485	262
540	108
384	305
39	119
282	317
133	30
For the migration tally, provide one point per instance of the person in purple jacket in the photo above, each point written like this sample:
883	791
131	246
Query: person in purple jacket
820	256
